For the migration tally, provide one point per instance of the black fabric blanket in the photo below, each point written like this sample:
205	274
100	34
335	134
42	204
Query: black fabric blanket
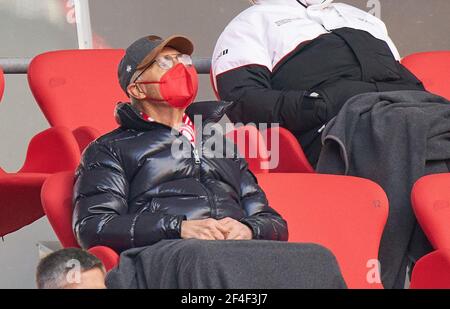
392	138
199	264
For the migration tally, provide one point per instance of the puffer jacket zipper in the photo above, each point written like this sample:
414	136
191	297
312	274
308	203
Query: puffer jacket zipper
197	163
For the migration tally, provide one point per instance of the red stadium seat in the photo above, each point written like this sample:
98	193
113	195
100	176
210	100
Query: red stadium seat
354	244
291	158
108	256
430	199
432	271
250	143
433	69
84	136
57	202
345	214
2	84
77	88
53	150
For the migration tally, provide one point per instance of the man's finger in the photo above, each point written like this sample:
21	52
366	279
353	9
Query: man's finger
218	234
226	220
223	228
233	234
215	233
203	237
229	224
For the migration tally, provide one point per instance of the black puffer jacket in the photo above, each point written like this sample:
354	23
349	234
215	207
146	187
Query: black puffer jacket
130	191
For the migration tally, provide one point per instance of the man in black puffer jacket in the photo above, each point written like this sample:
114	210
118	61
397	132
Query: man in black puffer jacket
136	187
131	192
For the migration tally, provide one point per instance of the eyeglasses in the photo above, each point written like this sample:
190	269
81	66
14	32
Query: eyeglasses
166	62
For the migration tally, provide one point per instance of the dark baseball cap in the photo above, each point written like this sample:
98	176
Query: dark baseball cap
143	51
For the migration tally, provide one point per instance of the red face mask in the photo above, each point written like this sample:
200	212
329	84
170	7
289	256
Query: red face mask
178	86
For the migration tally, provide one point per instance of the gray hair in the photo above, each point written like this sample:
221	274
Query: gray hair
133	100
53	269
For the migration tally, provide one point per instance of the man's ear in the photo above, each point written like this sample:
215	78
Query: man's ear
135	92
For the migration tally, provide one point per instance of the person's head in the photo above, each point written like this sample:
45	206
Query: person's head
159	72
70	268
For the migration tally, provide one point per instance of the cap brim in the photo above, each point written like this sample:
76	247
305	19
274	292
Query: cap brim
179	42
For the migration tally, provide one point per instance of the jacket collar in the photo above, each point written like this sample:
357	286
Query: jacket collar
129	117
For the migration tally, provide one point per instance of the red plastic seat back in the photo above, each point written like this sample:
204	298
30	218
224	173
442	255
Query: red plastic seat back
51	151
432	271
431	203
20	200
108	256
291	158
250	143
84	136
345	214
433	69
56	196
2	84
77	88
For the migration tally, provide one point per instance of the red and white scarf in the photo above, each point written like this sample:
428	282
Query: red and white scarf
187	128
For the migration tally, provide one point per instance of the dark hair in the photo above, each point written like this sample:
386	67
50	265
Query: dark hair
52	270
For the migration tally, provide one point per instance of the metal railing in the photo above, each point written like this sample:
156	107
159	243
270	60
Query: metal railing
20	65
15	65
